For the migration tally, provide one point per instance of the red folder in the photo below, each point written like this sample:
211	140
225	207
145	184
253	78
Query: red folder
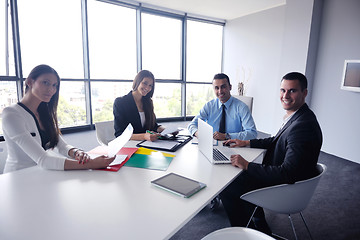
123	151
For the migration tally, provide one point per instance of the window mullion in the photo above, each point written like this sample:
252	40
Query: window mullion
17	51
138	39
86	61
183	68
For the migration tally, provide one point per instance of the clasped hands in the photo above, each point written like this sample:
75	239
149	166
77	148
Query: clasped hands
98	162
237	160
81	156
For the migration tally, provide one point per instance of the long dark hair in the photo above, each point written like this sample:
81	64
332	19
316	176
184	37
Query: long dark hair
47	111
148	105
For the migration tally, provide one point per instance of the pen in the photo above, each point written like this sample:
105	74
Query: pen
152	133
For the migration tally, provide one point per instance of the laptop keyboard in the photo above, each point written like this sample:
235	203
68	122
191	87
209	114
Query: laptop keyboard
218	156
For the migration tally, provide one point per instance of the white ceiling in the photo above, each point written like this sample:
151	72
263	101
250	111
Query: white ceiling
218	9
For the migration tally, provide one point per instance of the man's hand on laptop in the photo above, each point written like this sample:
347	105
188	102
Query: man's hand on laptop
237	143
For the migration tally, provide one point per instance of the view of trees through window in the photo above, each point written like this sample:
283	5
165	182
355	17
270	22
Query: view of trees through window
8	96
196	96
105	55
71	107
167	100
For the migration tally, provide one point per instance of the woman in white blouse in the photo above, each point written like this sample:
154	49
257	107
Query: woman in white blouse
31	129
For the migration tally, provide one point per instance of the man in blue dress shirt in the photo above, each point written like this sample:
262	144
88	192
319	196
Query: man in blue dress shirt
239	123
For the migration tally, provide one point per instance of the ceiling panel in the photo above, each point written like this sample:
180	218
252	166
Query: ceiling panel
218	9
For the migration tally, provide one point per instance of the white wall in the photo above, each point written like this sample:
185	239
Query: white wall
261	48
297	37
252	52
338	111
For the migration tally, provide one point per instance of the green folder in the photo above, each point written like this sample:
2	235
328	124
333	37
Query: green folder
155	162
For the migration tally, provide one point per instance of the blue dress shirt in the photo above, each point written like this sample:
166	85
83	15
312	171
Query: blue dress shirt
239	122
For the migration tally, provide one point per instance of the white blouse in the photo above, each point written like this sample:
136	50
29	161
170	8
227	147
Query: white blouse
142	118
25	150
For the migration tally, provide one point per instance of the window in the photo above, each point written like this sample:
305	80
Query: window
101	48
71	107
161	54
204	51
167	100
112	41
112	55
8	91
196	96
7	67
8	96
103	95
51	33
161	46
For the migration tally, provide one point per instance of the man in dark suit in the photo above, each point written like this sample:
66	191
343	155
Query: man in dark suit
291	155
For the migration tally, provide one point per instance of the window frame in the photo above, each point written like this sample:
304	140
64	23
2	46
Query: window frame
140	8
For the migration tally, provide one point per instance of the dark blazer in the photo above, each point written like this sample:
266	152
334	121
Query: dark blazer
125	112
292	154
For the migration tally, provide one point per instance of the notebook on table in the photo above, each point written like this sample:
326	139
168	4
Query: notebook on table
212	153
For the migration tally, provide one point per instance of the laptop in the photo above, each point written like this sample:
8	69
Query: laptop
206	147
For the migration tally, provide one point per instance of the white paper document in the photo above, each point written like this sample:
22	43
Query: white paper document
116	144
118	160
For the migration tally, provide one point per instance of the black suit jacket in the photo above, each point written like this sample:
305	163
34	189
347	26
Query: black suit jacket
125	112
292	154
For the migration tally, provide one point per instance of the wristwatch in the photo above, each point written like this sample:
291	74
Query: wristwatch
227	136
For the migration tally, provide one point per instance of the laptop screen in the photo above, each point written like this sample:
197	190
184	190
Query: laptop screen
205	136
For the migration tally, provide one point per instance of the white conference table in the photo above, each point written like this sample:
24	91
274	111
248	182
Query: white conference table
43	204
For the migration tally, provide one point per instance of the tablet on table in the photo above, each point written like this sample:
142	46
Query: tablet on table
179	185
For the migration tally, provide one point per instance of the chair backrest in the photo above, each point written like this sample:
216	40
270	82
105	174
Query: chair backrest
247	100
3	156
105	132
236	233
286	198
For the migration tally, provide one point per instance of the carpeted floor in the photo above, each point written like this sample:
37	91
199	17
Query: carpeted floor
333	212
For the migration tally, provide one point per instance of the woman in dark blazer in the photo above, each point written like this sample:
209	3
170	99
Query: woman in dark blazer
137	108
